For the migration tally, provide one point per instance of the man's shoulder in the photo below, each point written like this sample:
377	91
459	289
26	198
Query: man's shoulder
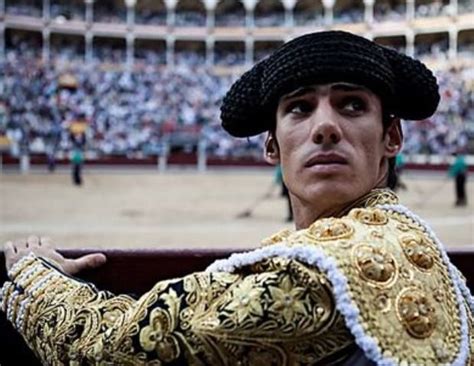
392	282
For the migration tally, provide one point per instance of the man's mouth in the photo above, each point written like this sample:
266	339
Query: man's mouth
325	159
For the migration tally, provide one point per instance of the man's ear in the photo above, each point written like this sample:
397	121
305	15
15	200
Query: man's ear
393	139
272	152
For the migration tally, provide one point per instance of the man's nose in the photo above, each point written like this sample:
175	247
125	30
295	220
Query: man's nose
325	127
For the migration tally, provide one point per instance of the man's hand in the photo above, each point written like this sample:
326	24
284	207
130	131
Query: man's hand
42	247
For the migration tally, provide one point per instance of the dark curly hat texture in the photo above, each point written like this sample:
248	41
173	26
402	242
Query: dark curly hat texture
407	88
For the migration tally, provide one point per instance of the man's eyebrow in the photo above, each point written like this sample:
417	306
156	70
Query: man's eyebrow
298	92
348	87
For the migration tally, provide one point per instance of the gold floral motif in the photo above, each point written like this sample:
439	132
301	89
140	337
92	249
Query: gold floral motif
417	251
371	199
376	234
381	197
298	320
383	303
330	229
369	216
158	336
438	294
375	265
403	227
287	299
277	311
440	350
406	223
416	313
246	301
276	238
110	317
345	244
406	273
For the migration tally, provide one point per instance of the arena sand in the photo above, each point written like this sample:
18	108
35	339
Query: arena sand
130	208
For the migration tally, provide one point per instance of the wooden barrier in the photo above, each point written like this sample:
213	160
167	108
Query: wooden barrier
135	272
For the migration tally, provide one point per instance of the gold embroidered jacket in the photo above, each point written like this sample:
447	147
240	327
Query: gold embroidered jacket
374	281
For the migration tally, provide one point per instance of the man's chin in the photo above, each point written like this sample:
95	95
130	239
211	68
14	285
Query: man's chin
334	191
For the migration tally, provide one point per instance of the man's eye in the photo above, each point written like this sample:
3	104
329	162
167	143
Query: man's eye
299	107
353	104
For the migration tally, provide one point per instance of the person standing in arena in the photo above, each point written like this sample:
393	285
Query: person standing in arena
284	191
458	171
78	141
361	281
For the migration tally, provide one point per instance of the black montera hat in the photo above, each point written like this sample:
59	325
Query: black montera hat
407	88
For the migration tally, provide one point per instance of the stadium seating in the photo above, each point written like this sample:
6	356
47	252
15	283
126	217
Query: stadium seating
126	47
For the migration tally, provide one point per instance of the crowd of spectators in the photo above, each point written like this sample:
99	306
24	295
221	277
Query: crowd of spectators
68	11
433	9
229	57
107	11
436	49
126	112
383	11
447	131
306	18
133	112
24	7
148	16
190	19
465	6
349	15
234	19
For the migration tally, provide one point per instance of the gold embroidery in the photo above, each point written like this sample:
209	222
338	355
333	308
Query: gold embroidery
245	301
370	217
287	300
329	229
403	323
277	311
158	336
416	313
276	238
376	265
417	251
440	350
371	199
288	306
383	303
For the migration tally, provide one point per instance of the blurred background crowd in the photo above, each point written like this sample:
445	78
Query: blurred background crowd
133	110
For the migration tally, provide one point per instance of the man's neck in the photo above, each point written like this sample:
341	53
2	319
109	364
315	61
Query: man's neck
305	215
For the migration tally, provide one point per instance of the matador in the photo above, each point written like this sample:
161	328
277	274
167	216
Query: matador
361	280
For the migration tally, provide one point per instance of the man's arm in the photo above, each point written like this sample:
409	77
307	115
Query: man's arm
268	313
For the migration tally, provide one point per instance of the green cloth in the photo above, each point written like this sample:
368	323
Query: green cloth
458	167
278	175
77	157
399	161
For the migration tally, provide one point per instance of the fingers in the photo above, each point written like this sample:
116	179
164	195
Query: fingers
46	242
14	251
32	242
89	261
10	254
9	249
44	248
19	245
